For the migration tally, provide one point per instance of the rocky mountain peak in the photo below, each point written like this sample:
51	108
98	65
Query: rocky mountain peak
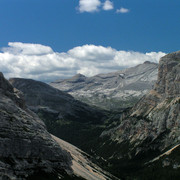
7	89
166	87
169	75
152	125
148	62
79	75
4	84
78	78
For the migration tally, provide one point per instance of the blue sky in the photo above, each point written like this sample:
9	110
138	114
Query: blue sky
150	25
52	39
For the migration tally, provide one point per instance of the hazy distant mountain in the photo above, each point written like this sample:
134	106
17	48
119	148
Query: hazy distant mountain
112	91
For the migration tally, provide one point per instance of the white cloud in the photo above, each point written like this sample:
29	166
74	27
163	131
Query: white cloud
27	49
122	10
108	5
97	5
89	5
42	63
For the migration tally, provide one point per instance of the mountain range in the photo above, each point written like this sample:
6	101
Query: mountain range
138	139
112	91
147	138
28	151
61	112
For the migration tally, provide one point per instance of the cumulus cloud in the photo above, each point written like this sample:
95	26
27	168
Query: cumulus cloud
89	5
108	5
27	49
122	10
97	5
42	63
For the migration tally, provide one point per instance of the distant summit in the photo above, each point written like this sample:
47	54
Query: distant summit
114	90
79	75
148	62
78	78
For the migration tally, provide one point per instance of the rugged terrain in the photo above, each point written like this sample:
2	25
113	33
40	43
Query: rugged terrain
65	117
26	146
141	142
150	128
28	151
112	91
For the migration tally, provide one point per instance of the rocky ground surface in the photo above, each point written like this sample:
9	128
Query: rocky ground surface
111	91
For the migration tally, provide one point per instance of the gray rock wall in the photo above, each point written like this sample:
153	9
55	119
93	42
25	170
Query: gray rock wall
25	145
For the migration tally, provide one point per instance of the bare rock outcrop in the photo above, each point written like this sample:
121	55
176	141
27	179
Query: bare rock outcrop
153	124
26	148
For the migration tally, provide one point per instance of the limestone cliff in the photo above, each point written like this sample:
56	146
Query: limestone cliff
152	126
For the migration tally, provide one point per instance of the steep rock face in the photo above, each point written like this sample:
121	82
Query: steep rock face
152	125
162	105
157	113
7	89
113	90
26	148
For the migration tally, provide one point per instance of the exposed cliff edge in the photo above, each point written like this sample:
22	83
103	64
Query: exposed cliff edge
152	126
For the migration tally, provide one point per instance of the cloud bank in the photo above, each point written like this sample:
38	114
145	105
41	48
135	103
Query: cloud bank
42	63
